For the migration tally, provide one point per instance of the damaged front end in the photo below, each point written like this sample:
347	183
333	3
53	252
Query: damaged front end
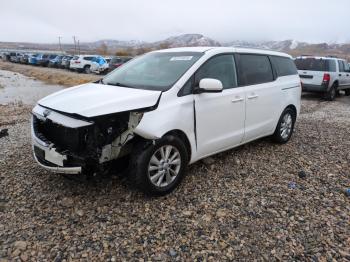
74	144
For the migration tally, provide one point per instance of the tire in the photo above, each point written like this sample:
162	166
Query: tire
331	93
347	92
154	174
285	126
87	69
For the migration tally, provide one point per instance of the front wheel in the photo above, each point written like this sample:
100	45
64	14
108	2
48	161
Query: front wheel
285	126
159	167
347	92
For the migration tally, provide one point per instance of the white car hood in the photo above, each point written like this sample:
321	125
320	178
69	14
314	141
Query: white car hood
91	99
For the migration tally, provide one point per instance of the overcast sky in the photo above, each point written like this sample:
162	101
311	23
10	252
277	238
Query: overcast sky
152	20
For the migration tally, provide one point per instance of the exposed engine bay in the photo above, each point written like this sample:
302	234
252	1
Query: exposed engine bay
68	141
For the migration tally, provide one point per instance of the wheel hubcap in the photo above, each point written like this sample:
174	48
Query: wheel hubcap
286	126
164	166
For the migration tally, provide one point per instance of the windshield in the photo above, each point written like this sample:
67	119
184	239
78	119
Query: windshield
312	64
153	71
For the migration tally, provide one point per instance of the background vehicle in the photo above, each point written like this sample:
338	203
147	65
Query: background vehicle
327	75
24	59
82	63
15	57
44	59
65	63
55	62
100	65
32	59
5	56
167	109
118	61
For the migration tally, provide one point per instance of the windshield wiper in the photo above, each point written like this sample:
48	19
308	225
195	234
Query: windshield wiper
120	84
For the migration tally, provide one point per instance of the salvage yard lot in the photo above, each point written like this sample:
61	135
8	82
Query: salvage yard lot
243	204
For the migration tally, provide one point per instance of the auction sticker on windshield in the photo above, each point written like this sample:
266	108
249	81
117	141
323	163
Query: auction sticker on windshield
181	58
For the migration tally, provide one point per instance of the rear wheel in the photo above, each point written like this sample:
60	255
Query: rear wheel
331	93
347	92
158	168
87	69
285	126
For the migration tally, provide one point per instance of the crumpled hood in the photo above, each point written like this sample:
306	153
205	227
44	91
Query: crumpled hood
92	100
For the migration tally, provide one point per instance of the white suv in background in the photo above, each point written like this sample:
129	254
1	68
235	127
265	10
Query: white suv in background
327	75
167	109
82	63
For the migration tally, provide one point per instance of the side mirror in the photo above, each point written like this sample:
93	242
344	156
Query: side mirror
209	85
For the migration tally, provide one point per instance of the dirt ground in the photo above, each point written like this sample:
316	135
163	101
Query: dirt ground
50	75
258	202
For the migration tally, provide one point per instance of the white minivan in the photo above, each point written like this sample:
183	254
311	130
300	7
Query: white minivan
167	109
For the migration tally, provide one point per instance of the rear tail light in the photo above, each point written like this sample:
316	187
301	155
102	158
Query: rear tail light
77	62
326	78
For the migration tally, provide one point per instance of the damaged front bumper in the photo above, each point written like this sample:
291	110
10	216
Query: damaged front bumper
71	145
44	151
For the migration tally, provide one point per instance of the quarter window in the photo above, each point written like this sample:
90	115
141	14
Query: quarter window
255	69
220	67
284	66
341	66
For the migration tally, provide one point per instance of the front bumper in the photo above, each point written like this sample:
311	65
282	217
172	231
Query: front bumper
45	152
49	158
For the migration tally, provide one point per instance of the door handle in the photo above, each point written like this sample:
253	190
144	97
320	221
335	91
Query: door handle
339	74
237	99
253	96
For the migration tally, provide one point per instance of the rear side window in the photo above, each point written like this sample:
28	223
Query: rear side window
220	67
284	66
255	69
341	66
332	66
346	66
88	58
313	64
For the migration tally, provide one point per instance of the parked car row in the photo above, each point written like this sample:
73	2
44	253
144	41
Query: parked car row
79	63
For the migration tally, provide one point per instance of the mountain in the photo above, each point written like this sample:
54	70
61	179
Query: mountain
187	40
110	46
271	45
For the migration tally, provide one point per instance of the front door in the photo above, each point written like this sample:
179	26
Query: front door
219	116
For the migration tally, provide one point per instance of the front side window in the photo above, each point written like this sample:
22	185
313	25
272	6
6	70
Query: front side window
153	71
255	69
284	66
220	67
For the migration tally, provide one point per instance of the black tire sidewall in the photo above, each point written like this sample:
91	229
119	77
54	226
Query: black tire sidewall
140	161
277	135
87	69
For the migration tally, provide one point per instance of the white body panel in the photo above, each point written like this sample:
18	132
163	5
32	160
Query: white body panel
91	100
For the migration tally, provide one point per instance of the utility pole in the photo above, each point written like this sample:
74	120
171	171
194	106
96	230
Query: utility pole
75	45
59	42
79	46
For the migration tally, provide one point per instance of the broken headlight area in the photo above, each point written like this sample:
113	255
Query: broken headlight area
89	143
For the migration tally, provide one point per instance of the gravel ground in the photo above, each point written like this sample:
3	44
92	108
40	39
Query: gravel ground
260	201
50	75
